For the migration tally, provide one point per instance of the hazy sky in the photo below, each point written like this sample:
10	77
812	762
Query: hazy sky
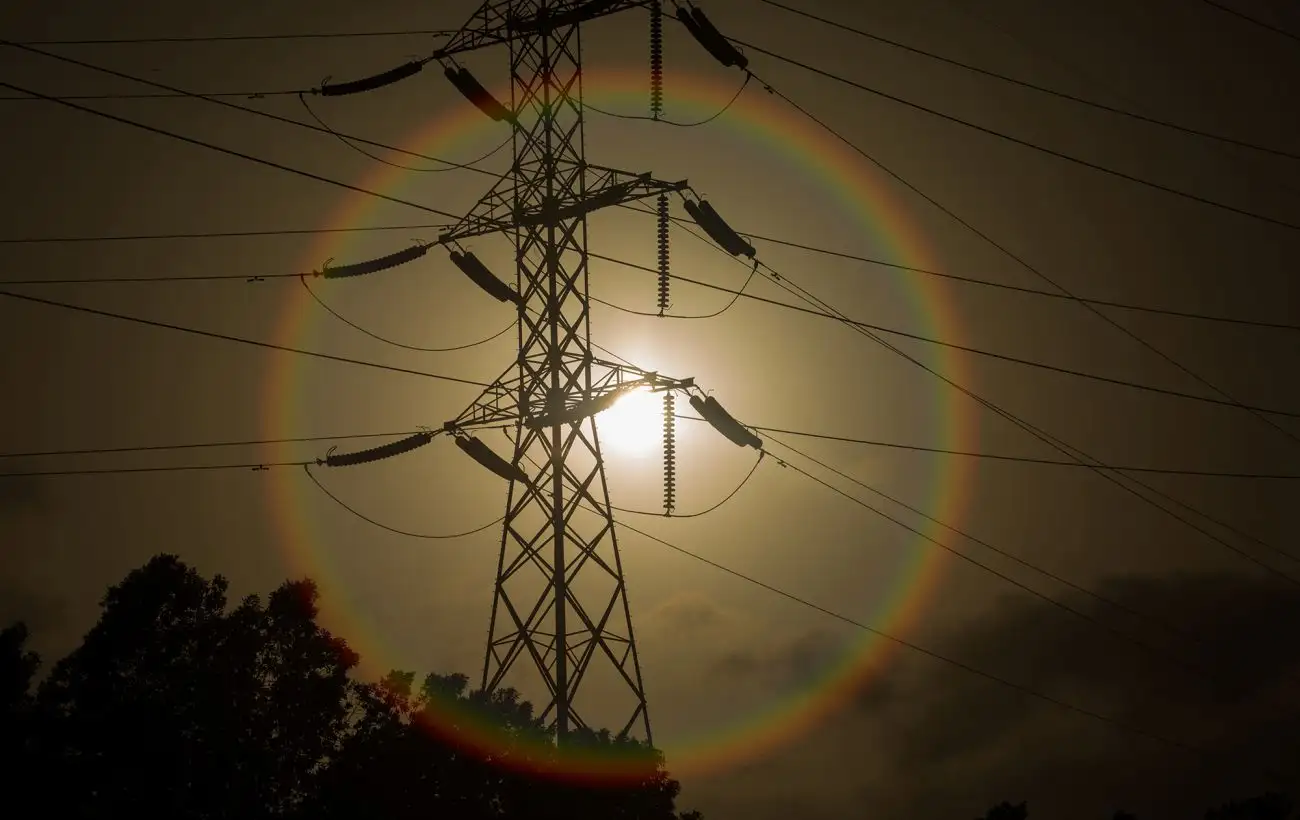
765	708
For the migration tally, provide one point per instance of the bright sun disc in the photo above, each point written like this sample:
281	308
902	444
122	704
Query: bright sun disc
634	425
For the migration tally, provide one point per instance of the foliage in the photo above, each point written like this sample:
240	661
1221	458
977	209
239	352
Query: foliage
176	705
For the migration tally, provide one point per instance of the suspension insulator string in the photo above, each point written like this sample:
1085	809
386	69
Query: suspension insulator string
664	276
656	59
670	453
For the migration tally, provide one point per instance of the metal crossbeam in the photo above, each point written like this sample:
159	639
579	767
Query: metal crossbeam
560	612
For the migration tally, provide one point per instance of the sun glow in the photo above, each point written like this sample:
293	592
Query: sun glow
634	425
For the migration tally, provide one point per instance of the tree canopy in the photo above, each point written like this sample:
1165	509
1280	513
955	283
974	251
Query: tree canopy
177	704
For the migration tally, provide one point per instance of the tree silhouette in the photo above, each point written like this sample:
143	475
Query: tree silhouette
17	667
1007	811
176	706
170	701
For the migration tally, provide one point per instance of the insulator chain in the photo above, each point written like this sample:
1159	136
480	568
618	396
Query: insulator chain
670	453
663	253
656	59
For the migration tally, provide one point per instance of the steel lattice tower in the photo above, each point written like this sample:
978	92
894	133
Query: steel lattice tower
560	602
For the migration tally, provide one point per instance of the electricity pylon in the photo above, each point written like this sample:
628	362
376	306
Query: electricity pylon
560	601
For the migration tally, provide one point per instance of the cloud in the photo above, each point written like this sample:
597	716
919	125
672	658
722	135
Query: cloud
688	613
930	740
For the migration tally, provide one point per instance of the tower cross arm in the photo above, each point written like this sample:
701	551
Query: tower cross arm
498	405
499	209
501	21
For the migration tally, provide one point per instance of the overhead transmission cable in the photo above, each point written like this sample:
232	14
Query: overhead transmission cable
711	508
1034	86
725	51
826	313
820	312
254	159
1145	646
331	311
154	95
355	147
321	127
239	339
970	669
1038	273
1095	465
1252	20
1190	315
734	97
1179	314
200	445
231	38
1022	688
1028	460
1084	459
1281	223
1111	602
229	151
471	167
1098	466
306	468
1038	432
255	466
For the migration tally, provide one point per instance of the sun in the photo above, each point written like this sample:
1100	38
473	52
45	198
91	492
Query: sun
634	425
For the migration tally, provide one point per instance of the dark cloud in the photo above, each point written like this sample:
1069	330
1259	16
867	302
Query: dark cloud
687	613
930	740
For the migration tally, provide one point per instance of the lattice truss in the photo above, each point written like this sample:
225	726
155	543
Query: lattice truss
560	614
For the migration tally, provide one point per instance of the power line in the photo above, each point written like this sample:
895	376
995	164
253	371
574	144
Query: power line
146	95
473	163
1061	605
1181	314
991	547
1035	87
1253	20
232	38
225	337
178	468
760	428
331	311
736	294
306	468
320	127
964	348
1226	397
1096	465
201	445
442	226
229	151
1282	223
1022	688
1020	459
1019	687
160	237
711	508
451	216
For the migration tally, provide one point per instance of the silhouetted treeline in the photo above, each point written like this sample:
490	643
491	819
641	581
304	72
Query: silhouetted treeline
176	705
